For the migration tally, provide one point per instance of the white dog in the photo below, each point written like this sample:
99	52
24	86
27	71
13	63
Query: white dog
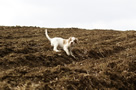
65	44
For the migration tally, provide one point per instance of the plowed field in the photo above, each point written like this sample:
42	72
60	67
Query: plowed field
105	59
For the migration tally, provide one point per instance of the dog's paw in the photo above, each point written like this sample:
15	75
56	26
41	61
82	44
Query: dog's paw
57	50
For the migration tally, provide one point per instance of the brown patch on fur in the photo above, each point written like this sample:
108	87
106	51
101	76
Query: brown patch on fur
69	39
64	41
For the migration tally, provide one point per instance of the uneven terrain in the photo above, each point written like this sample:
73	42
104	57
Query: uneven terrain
105	59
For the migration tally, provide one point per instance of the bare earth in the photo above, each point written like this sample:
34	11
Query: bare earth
105	59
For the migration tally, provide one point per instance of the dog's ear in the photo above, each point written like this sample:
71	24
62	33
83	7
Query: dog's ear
76	40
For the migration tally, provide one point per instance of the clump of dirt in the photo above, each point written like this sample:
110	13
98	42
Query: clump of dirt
105	59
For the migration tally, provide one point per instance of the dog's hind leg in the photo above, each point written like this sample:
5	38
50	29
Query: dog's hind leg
55	48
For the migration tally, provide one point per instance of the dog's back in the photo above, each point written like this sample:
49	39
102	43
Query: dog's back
58	41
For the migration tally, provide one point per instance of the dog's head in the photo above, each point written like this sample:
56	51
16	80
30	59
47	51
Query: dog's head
73	41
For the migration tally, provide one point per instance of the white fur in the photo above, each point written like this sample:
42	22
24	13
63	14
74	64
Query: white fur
65	44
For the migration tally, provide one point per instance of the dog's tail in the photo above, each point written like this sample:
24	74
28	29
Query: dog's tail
47	35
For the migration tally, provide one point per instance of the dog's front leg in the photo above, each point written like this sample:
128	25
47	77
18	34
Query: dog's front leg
71	53
66	50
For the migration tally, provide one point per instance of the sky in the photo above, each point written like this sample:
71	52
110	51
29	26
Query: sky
87	14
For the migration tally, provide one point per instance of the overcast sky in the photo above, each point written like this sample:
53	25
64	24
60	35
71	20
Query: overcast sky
89	14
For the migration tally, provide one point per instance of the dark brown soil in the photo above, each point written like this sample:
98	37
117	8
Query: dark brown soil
105	59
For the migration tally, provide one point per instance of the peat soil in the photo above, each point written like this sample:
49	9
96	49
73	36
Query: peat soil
105	59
